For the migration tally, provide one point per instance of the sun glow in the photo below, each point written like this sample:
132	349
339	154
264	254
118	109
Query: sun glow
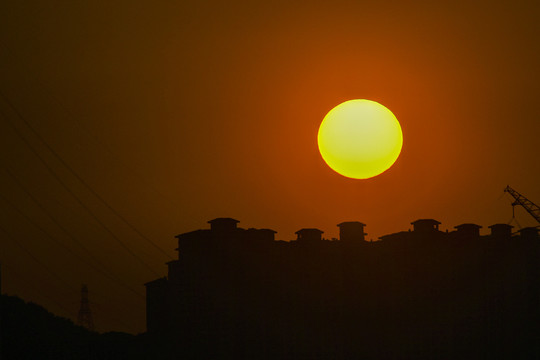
360	139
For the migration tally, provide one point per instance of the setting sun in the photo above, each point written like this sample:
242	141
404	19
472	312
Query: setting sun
360	139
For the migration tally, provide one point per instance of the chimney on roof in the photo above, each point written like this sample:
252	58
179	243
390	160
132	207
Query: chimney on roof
351	231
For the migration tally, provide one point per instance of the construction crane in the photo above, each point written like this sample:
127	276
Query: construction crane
531	207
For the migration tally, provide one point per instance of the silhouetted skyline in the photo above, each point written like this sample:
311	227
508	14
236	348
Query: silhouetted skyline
124	123
417	294
236	293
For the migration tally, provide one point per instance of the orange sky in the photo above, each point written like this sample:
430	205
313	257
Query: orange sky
180	112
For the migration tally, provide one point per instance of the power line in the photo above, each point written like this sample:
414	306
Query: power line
29	253
79	201
17	275
102	145
109	314
40	228
54	274
108	275
81	180
69	312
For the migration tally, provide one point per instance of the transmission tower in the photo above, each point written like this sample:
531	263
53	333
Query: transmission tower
85	315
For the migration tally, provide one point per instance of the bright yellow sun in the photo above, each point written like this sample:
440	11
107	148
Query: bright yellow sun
360	139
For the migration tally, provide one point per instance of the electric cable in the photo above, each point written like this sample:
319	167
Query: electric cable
108	275
79	201
29	253
80	179
68	313
102	145
59	243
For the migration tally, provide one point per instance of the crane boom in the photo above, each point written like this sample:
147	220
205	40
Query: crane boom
531	207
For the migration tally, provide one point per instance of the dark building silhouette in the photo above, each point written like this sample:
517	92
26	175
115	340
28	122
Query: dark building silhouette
309	235
223	225
351	231
529	233
422	293
468	231
501	231
157	309
426	226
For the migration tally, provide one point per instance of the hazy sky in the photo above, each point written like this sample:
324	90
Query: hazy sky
177	112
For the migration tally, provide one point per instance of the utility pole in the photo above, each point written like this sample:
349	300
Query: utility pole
85	315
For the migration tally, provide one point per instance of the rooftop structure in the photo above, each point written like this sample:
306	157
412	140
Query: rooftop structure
468	230
309	235
501	231
351	231
425	225
226	269
529	233
223	224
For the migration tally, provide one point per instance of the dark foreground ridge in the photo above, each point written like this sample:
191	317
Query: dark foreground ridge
421	294
238	294
29	332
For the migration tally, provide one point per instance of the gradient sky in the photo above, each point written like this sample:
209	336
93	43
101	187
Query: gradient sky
177	112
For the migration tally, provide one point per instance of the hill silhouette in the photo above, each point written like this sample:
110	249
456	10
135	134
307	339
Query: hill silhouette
237	293
28	331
